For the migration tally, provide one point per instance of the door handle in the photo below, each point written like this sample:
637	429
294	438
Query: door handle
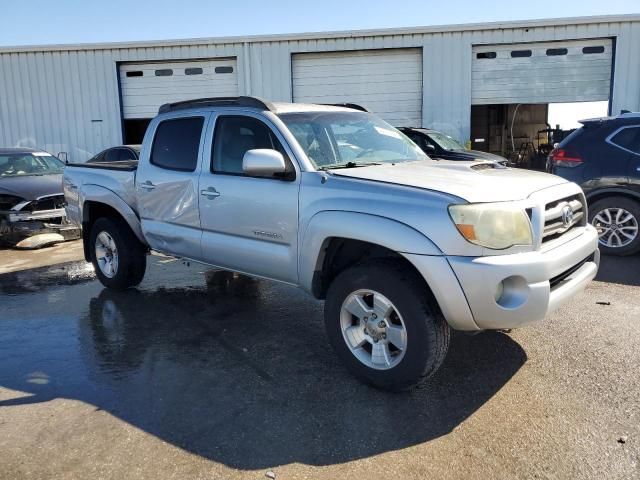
148	185
210	192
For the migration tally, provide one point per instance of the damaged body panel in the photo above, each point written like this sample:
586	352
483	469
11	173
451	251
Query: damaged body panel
31	197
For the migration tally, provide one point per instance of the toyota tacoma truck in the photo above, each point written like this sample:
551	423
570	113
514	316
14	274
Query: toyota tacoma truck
332	199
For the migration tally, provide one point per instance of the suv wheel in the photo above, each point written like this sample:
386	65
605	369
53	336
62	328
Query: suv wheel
617	220
118	257
385	325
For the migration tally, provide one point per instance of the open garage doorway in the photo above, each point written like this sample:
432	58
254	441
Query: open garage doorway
134	129
526	133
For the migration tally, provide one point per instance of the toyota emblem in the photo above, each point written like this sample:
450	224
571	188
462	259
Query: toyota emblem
567	216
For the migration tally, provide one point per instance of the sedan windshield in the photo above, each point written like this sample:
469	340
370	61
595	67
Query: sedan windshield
349	139
36	163
445	141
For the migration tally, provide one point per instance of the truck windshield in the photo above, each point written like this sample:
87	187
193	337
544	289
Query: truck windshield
349	139
20	164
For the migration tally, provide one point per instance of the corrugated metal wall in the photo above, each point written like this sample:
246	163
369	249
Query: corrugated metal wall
68	100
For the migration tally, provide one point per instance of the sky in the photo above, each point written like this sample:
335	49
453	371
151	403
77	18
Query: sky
37	22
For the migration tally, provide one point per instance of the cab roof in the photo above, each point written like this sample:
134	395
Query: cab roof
258	104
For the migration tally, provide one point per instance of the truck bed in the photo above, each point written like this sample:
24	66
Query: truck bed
117	177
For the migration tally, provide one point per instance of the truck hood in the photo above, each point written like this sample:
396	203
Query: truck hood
470	155
31	187
471	181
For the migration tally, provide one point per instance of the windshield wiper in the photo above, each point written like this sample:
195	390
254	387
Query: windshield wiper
349	165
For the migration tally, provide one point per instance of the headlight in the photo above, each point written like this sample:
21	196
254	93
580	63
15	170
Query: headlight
492	225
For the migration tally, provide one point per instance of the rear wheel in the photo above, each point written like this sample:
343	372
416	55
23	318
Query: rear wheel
385	325
118	257
617	220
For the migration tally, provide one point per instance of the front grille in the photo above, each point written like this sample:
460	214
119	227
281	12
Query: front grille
47	203
558	279
561	216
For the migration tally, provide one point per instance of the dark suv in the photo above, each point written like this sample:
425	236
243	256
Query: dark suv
603	157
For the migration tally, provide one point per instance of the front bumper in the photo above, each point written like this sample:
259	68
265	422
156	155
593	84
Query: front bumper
509	291
16	226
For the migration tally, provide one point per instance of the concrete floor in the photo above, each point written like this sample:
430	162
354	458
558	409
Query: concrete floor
230	377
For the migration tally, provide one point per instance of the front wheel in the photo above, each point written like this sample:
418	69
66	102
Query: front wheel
385	325
118	257
617	220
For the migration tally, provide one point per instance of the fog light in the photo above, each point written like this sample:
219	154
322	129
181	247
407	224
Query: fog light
512	292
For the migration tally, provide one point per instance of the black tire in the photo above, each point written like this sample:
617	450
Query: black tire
631	206
132	255
427	331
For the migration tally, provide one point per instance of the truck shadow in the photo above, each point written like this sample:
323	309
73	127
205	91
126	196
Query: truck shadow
240	372
622	270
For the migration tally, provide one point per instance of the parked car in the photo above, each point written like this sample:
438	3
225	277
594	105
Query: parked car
122	153
31	197
403	248
603	157
439	145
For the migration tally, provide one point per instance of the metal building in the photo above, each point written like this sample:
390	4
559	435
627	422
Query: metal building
81	99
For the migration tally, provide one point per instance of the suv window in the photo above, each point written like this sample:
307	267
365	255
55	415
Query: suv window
176	144
234	136
628	138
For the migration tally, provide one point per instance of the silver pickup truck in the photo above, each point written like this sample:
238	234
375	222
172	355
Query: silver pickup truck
334	200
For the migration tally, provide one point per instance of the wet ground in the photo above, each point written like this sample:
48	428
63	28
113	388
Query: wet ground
220	376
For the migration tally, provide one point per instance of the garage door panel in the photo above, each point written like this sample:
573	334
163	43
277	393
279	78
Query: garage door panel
388	82
573	76
145	91
413	78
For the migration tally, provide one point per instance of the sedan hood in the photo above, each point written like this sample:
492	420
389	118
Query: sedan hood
471	181
31	187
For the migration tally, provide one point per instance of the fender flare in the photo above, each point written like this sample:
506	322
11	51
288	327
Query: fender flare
383	231
99	194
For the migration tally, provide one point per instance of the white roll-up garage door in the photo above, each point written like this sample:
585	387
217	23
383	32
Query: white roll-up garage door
548	72
146	86
388	82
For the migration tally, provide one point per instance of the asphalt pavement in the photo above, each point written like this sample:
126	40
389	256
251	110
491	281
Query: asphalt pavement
200	374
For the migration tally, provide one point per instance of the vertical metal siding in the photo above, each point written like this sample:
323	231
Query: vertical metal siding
48	99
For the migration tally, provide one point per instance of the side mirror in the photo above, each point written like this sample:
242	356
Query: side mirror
429	148
263	162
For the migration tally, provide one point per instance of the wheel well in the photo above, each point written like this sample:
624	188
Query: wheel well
91	212
615	193
337	254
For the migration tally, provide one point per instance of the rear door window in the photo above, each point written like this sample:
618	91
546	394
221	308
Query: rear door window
176	144
628	138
